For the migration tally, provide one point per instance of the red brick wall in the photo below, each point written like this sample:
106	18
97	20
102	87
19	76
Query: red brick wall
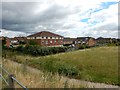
91	42
41	42
53	43
7	42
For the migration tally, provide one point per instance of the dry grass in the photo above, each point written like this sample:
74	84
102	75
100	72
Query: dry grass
33	78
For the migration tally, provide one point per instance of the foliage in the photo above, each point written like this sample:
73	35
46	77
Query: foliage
113	44
39	51
83	46
55	66
4	42
31	42
22	42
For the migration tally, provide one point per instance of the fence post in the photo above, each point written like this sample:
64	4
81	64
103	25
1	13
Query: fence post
11	82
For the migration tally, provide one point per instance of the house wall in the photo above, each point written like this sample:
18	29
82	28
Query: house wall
91	42
48	42
8	42
67	42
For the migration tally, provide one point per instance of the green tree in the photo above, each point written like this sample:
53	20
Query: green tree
31	42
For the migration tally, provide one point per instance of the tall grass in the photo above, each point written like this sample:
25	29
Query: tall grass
95	64
37	79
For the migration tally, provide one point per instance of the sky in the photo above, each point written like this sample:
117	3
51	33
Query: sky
69	18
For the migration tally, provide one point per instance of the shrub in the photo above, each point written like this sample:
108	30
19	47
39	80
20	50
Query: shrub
54	65
82	46
40	51
31	42
19	48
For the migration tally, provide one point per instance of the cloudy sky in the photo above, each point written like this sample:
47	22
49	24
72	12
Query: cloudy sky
69	18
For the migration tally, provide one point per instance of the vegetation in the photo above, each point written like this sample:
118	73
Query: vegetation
95	64
38	51
33	78
32	42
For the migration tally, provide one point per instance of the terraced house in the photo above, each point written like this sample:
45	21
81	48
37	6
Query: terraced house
46	38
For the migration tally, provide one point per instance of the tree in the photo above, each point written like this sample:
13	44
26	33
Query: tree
31	42
4	41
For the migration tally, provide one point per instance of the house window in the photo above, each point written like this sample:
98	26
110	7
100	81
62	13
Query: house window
42	42
48	37
51	41
38	37
28	38
54	41
33	37
46	42
53	37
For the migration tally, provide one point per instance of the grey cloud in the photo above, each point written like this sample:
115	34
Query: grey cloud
20	16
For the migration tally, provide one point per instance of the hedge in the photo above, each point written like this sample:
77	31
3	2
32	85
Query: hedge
39	51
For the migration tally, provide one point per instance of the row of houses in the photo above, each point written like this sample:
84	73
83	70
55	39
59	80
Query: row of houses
46	38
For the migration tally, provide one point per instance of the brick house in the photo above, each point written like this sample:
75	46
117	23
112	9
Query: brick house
6	40
89	41
8	43
46	38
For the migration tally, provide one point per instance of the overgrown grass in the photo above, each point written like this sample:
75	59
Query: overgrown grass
33	78
95	64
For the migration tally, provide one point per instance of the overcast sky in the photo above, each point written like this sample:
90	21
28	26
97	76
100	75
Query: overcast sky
69	18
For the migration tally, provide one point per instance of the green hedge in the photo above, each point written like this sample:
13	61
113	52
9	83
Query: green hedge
40	51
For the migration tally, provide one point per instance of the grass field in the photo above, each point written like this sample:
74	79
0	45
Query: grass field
94	64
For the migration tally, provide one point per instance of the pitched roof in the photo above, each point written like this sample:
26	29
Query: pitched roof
101	38
44	33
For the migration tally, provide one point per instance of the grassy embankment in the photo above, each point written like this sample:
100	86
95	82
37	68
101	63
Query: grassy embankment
33	78
95	64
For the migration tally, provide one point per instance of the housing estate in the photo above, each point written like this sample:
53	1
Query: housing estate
46	38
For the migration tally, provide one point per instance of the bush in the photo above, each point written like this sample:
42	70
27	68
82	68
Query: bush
31	42
40	51
83	46
68	70
55	66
